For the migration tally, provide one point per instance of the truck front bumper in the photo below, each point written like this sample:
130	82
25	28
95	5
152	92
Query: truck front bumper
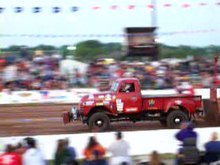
72	115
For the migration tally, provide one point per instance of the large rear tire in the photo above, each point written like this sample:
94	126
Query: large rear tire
175	118
99	122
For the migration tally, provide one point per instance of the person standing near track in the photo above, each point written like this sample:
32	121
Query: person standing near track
120	151
10	157
212	150
72	152
186	131
33	155
94	153
186	134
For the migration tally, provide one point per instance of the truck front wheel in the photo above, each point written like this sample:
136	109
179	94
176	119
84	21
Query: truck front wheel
175	118
99	122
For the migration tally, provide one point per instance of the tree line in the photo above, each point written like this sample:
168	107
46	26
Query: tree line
92	49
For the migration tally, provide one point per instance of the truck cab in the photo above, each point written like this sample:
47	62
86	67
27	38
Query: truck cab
127	96
124	102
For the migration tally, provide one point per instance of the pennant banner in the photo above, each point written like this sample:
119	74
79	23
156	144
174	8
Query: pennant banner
108	35
58	9
2	9
36	9
18	9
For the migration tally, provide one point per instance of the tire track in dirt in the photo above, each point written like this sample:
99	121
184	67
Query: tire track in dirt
39	119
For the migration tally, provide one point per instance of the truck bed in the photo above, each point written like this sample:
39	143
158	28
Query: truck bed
168	96
155	102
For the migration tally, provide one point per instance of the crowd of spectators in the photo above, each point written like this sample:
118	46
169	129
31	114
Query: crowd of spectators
117	153
31	74
156	75
44	72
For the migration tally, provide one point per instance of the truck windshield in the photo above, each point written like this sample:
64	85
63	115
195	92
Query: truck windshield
114	86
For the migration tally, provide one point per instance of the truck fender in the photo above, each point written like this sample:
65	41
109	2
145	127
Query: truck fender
98	109
184	103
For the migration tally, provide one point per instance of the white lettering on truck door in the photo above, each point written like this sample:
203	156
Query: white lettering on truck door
119	105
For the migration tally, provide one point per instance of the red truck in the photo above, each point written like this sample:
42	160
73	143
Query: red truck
124	102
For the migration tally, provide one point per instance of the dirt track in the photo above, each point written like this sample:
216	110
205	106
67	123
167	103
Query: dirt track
46	119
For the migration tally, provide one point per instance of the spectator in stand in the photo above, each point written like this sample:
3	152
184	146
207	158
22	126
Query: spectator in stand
2	64
1	85
160	82
207	80
10	157
185	87
120	151
33	155
212	149
77	77
10	76
72	151
94	153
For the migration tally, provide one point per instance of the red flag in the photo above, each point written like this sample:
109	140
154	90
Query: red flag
202	4
113	7
130	7
96	7
185	5
167	5
151	6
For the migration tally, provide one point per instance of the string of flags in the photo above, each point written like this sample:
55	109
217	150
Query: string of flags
109	35
58	9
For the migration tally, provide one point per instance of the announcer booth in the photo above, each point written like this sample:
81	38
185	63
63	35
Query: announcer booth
140	41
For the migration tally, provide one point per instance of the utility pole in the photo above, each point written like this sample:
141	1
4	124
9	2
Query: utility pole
154	13
154	24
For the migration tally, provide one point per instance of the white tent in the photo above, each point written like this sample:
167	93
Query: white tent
68	66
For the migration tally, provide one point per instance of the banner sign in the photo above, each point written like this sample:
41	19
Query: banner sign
44	96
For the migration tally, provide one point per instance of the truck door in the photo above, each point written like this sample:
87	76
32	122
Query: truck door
128	100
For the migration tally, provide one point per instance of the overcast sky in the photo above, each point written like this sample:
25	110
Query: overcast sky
106	21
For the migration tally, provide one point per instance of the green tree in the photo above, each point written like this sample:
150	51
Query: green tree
93	49
89	50
64	51
14	48
45	47
112	47
183	51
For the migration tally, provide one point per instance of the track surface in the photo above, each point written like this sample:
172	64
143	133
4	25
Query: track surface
27	120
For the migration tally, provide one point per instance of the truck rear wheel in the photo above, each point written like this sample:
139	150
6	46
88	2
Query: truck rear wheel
99	122
175	118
